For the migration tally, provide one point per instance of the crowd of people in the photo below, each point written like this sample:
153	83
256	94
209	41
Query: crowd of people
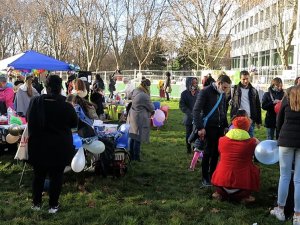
228	155
52	113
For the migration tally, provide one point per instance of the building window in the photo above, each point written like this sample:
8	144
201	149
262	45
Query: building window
260	37
239	27
256	19
247	23
251	21
267	13
274	31
243	25
242	41
267	33
251	39
261	16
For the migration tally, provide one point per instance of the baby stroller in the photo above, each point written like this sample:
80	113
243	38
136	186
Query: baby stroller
116	158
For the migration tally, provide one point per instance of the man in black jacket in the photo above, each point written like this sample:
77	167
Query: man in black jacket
245	96
186	104
217	122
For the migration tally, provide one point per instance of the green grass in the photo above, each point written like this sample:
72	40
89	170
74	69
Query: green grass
159	190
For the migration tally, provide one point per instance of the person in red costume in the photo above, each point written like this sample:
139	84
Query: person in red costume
236	176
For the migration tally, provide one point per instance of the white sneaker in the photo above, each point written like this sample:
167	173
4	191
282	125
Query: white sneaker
36	207
53	210
296	220
278	212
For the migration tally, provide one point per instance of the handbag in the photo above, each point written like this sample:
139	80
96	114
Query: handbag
22	152
194	134
169	89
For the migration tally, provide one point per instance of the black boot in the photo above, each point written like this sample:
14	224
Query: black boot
188	148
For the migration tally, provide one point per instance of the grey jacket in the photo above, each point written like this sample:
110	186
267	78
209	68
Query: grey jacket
22	99
139	116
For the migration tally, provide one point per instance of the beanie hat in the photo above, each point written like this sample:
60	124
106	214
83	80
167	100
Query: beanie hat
241	122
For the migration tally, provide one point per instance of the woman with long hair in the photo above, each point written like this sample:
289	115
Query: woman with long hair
23	96
288	122
139	118
270	99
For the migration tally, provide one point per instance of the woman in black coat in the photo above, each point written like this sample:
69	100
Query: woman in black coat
50	144
269	100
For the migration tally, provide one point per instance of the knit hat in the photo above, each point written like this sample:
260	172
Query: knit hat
3	78
241	122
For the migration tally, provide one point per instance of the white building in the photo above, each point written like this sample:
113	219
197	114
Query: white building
256	37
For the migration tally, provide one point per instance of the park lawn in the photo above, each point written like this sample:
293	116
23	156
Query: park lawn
159	190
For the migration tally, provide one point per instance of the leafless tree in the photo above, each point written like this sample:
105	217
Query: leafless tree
90	24
146	21
205	27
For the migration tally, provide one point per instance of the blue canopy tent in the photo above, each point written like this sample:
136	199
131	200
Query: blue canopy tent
34	60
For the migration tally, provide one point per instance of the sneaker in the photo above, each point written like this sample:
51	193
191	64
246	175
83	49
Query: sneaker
278	212
217	196
249	199
36	207
53	210
206	183
296	220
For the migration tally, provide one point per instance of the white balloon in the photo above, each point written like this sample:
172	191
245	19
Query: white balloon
10	139
159	115
96	147
78	161
267	152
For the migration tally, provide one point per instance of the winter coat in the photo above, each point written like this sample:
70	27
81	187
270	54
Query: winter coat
7	98
268	105
139	116
112	85
186	105
206	100
235	169
22	99
50	119
255	107
288	122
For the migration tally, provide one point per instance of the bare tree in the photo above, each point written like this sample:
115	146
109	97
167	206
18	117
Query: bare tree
58	27
7	34
285	33
146	22
205	28
91	27
118	27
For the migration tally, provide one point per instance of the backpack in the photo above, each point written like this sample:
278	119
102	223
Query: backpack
112	161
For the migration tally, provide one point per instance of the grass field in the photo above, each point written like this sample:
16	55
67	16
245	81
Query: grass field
159	190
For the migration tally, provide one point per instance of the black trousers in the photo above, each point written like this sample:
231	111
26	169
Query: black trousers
211	153
168	96
188	131
55	174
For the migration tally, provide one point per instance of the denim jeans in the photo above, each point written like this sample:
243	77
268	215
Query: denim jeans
286	158
270	133
135	149
251	130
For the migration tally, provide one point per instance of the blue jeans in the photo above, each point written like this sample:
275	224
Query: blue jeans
135	149
286	158
251	130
